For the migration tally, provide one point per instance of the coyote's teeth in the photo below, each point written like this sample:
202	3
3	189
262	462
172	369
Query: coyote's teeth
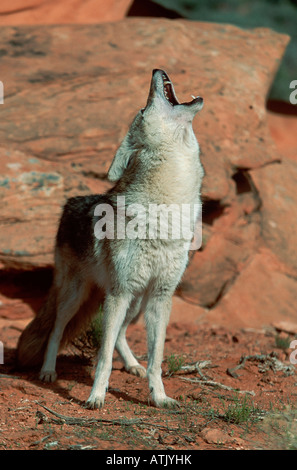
194	97
166	82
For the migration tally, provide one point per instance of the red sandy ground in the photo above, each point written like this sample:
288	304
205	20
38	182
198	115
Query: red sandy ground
127	421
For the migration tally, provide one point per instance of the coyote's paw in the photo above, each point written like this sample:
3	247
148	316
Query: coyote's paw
94	403
139	371
48	375
166	402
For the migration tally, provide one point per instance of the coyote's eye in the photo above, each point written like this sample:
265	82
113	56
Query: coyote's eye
142	111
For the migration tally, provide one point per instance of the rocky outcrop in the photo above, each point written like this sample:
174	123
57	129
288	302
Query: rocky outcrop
42	12
283	128
262	293
70	93
33	191
277	186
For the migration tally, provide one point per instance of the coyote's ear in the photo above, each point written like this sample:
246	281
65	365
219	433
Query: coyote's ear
120	161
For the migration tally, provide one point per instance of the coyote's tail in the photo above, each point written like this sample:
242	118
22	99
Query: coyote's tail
33	340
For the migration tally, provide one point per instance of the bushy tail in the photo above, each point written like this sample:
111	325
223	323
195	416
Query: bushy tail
33	341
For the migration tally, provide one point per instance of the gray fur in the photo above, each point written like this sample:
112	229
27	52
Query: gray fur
158	162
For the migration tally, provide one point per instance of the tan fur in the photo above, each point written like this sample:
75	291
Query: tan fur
33	340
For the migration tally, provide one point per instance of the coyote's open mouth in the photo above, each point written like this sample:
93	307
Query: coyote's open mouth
169	90
169	93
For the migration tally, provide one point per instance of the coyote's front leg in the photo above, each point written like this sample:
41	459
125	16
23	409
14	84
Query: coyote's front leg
157	316
114	312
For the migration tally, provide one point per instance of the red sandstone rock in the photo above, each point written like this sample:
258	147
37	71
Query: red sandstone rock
31	12
276	185
185	312
216	436
14	309
33	192
72	106
234	239
261	294
286	327
284	130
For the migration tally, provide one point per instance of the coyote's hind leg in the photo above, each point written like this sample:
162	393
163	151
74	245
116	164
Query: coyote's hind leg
69	299
130	361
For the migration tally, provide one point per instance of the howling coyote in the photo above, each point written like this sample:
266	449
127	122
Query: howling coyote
157	163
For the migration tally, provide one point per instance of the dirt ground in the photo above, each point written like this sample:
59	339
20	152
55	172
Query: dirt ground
251	407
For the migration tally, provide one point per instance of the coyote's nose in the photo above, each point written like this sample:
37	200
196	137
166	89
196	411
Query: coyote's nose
157	70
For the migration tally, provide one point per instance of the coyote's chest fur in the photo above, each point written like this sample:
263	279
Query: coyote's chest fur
168	195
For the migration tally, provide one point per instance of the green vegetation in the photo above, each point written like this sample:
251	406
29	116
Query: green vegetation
242	410
175	363
281	342
94	333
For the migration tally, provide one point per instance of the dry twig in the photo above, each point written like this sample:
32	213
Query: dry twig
62	419
212	383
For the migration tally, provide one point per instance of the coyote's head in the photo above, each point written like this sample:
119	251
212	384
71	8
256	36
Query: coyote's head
163	123
163	106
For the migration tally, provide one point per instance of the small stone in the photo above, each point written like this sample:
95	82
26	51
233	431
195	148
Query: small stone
215	436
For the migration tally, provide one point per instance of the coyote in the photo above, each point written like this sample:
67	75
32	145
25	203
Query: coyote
157	163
